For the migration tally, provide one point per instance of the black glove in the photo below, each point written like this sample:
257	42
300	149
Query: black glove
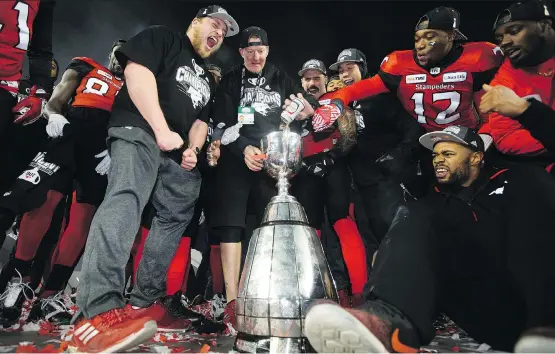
320	168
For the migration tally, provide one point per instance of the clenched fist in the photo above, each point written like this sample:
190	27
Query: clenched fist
188	159
169	141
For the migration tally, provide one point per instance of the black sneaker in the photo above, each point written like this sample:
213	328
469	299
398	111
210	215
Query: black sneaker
537	340
51	309
176	308
375	327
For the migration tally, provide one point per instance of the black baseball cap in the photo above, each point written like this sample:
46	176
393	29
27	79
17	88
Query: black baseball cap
455	133
444	19
313	64
253	31
351	55
221	13
531	10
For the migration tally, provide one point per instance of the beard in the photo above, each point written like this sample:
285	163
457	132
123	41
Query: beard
535	55
199	47
461	175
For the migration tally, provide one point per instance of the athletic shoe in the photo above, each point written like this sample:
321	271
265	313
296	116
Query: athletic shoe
111	332
374	329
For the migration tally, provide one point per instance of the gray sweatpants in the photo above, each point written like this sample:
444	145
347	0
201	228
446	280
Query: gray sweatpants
139	171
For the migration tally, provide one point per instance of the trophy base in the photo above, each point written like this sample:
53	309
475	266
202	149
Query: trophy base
247	343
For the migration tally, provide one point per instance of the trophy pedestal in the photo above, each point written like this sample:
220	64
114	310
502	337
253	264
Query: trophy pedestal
285	271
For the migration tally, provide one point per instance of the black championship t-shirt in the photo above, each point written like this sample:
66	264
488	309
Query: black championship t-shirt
185	88
265	93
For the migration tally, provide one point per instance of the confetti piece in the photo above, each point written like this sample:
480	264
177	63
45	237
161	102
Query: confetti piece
205	348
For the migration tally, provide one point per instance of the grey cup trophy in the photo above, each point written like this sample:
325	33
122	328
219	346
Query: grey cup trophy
285	267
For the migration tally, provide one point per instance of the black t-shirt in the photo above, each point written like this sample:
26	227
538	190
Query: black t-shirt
185	88
265	93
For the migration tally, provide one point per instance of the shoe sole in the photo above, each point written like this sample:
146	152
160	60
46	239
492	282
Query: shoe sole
331	329
535	344
147	332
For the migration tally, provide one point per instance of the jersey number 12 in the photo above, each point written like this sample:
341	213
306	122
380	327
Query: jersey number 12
445	117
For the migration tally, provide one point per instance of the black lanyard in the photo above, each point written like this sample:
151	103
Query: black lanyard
243	85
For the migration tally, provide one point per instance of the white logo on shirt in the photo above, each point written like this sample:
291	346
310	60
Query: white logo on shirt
263	102
190	83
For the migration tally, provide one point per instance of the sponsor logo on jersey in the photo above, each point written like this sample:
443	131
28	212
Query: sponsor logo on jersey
105	74
435	71
455	77
415	79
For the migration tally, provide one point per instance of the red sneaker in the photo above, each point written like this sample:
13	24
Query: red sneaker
164	319
230	319
110	332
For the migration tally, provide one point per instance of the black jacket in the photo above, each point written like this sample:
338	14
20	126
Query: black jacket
501	227
384	127
266	94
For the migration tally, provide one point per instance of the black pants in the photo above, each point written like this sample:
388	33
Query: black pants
381	202
238	192
325	201
414	272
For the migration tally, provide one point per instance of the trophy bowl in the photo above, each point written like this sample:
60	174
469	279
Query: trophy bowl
283	151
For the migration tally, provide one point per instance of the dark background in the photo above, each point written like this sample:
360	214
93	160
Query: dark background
297	31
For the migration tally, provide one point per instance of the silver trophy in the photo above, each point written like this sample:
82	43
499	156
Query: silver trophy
285	268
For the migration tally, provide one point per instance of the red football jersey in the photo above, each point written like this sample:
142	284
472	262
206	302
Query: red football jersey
98	87
439	97
442	96
509	136
16	31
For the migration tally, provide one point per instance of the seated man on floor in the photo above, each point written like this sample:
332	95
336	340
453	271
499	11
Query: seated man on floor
479	248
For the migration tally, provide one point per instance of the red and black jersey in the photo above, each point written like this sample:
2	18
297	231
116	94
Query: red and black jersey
98	86
509	135
16	32
437	97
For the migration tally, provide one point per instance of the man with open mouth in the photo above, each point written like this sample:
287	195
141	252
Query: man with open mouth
519	100
157	128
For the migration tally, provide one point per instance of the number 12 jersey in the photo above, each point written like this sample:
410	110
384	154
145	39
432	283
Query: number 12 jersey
448	93
437	97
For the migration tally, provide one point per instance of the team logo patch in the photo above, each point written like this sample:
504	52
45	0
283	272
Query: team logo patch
415	79
253	81
455	77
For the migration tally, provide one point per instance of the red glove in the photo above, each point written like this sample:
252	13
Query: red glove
324	116
29	109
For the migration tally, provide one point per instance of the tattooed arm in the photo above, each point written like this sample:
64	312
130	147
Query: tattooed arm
346	123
